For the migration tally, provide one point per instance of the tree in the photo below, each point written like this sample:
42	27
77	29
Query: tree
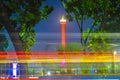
71	47
3	42
19	17
98	42
82	10
111	16
106	12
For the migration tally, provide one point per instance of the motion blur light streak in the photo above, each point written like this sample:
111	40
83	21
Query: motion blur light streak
56	57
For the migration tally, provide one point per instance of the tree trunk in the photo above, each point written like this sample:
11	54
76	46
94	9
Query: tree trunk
14	35
18	45
104	20
17	42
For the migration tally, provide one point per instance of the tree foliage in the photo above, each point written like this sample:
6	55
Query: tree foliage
82	10
21	17
3	42
98	42
71	47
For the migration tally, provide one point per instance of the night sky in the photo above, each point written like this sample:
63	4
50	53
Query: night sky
49	31
52	23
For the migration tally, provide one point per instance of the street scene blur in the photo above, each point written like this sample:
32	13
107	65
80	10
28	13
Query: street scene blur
59	39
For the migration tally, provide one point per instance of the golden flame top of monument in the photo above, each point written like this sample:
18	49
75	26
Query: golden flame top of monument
63	19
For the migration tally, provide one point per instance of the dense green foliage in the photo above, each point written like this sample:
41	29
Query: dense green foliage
107	13
104	17
20	16
98	42
71	47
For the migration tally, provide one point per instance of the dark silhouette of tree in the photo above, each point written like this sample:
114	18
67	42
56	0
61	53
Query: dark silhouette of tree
3	43
19	17
101	12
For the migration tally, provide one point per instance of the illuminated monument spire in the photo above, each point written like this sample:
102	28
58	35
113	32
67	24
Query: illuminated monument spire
63	23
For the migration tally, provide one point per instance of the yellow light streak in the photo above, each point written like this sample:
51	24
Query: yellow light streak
58	58
68	58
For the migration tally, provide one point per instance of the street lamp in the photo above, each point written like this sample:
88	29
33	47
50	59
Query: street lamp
63	23
48	73
115	52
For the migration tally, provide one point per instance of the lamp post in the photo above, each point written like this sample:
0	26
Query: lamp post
63	23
